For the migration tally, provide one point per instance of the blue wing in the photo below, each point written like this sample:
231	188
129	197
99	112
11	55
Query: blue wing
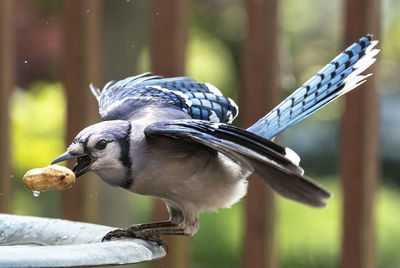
340	76
275	165
200	100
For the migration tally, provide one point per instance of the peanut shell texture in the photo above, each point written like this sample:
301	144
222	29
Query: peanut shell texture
53	177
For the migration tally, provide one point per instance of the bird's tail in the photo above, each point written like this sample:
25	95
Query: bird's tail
338	77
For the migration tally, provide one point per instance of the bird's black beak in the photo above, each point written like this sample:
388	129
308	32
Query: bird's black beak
82	164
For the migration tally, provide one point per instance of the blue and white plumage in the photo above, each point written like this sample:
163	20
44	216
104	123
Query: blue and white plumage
338	77
201	100
168	138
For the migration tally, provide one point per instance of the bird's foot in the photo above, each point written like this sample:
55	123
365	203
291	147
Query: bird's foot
135	232
118	233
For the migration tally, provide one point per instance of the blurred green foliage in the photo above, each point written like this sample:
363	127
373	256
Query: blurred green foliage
208	60
37	126
37	118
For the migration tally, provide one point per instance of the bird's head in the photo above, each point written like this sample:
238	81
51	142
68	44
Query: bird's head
102	148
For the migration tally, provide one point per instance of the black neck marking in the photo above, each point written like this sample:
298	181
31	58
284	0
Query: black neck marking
84	143
126	160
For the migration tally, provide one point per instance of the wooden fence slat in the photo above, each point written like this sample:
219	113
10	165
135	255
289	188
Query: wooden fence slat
6	85
359	147
80	68
259	95
169	33
72	199
92	20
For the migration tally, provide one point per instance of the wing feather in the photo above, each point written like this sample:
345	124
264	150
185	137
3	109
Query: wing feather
118	100
269	161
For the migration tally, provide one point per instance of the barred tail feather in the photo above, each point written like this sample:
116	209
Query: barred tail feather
338	77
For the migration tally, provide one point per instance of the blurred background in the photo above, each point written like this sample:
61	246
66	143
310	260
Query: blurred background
256	52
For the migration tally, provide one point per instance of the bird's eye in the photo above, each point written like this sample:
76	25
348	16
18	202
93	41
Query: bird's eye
101	144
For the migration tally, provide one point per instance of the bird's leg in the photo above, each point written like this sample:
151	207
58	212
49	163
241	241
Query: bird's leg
137	228
149	232
152	225
166	231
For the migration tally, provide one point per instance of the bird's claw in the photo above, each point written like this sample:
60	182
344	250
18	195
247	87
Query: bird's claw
134	232
117	233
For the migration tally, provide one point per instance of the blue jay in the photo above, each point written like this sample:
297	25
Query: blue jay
171	138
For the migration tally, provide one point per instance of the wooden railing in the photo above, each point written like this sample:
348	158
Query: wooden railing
358	159
6	85
259	94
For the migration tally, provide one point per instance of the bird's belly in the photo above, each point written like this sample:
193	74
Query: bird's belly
216	185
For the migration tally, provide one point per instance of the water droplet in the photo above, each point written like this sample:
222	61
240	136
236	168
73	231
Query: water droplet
25	61
87	10
3	240
3	237
36	193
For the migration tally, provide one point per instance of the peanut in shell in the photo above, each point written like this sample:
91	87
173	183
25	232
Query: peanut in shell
53	177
